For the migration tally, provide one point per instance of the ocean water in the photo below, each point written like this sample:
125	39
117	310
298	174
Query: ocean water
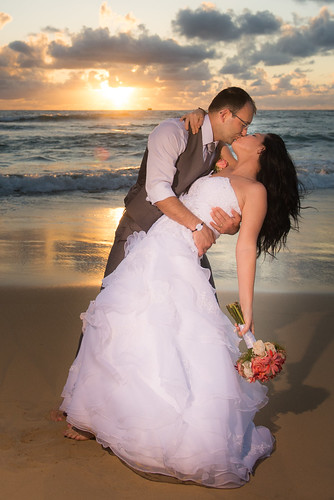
63	177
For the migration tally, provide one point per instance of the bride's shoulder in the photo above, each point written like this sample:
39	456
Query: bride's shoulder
257	187
255	194
247	185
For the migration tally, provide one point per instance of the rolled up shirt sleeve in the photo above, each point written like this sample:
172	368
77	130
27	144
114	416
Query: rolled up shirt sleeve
165	144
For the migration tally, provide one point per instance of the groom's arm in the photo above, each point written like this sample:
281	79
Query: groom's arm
166	143
174	209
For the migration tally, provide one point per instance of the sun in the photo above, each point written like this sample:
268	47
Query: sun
120	96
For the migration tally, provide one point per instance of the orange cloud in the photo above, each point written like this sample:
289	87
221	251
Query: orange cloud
4	19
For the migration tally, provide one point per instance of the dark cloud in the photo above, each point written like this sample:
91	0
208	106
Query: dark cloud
286	44
239	70
314	38
21	47
213	25
193	73
206	25
260	23
24	55
51	29
20	86
285	83
322	29
97	48
317	37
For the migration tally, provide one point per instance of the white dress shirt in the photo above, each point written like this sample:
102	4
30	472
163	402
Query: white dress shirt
165	144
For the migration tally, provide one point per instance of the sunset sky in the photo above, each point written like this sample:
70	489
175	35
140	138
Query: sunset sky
173	54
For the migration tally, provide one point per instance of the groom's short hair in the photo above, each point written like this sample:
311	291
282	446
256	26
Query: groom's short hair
232	98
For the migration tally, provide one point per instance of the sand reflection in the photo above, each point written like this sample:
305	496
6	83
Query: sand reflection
54	253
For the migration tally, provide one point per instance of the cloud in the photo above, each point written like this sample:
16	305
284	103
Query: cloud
321	2
123	52
297	43
91	57
284	44
233	67
206	25
98	48
51	30
105	11
31	54
210	24
197	72
322	29
116	22
261	23
22	85
21	47
4	19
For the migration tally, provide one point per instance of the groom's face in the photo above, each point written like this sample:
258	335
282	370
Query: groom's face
231	126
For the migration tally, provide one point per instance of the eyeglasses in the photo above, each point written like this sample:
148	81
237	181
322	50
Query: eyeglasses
245	124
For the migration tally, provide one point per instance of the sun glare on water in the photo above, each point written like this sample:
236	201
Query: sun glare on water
120	97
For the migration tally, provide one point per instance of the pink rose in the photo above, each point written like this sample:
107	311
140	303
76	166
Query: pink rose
221	164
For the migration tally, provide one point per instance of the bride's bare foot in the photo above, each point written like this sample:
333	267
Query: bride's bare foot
57	415
77	435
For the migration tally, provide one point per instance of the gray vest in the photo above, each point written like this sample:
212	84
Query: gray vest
189	167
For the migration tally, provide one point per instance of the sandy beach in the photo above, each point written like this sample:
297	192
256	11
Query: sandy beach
40	329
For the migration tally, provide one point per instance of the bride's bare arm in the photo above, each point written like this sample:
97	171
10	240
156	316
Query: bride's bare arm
253	215
194	119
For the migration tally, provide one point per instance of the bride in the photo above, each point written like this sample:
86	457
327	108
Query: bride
154	379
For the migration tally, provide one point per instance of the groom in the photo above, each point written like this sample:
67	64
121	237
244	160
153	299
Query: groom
174	159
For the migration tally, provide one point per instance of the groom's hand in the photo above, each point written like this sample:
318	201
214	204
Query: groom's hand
203	239
223	223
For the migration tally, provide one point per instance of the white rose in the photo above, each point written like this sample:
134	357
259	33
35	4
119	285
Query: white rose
247	366
259	348
270	347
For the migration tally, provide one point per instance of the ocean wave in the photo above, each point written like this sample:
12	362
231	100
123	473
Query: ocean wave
65	116
95	182
105	180
76	144
45	117
307	138
322	179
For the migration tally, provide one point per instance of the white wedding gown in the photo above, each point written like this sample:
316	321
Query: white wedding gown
155	379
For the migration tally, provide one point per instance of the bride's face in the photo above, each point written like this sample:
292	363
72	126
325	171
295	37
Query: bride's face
249	144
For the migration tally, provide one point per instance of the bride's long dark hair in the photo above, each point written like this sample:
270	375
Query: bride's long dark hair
278	175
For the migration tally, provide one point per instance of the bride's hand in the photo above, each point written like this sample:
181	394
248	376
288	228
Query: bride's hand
195	119
223	223
248	325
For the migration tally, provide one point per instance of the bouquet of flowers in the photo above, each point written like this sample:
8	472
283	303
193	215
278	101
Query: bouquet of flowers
263	360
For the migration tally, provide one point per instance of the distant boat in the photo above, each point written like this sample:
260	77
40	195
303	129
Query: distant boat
149	109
